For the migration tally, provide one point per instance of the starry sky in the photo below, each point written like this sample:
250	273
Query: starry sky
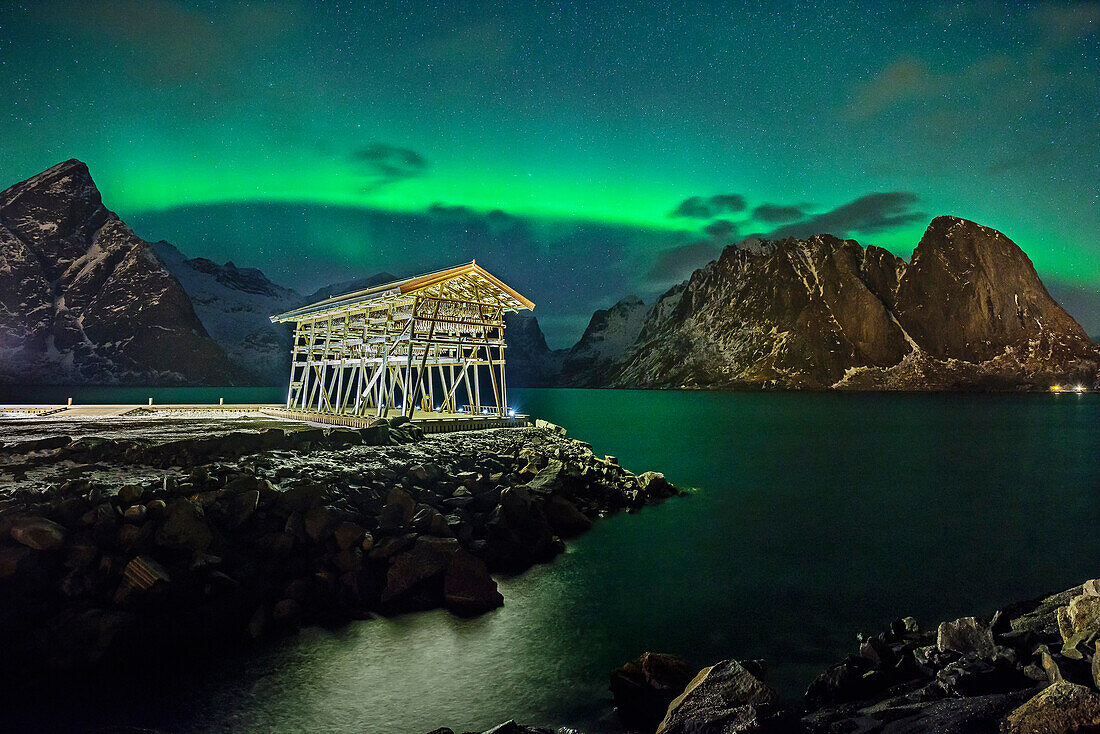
581	151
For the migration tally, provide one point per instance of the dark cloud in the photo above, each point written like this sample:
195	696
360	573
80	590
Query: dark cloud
708	207
677	263
868	214
386	164
776	213
721	230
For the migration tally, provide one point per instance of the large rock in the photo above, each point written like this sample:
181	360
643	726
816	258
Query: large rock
726	697
38	533
1061	708
185	528
564	517
643	688
966	635
518	533
468	589
423	563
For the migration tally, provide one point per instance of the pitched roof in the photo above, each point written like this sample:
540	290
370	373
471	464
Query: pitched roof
462	282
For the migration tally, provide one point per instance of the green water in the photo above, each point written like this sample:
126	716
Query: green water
815	516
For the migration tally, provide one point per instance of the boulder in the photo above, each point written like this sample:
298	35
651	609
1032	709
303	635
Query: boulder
301	497
726	697
1084	613
425	561
319	522
468	589
564	517
75	638
348	534
184	529
643	688
1060	708
548	479
38	533
548	426
239	507
966	635
518	533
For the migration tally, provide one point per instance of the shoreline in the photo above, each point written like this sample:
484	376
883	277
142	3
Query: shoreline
1032	667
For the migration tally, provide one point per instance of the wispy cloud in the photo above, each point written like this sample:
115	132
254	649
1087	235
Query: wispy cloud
386	164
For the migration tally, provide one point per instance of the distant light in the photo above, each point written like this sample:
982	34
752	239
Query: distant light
512	413
1079	388
1056	388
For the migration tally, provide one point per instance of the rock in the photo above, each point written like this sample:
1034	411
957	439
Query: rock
468	589
564	517
135	513
547	480
76	638
965	635
301	497
848	680
184	529
143	578
1084	613
128	494
725	697
973	715
398	510
38	533
518	533
426	560
1060	708
156	509
286	613
511	727
548	426
319	523
643	688
654	485
15	560
239	507
348	534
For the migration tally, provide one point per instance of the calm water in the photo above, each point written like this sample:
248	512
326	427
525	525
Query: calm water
815	516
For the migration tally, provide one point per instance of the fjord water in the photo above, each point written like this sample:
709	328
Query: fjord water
814	517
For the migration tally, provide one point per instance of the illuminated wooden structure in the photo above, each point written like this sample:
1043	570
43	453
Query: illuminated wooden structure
417	343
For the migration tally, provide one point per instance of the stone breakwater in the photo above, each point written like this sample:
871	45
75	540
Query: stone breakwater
109	546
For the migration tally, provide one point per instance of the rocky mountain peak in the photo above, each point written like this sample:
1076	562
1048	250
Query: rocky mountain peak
969	310
84	299
970	293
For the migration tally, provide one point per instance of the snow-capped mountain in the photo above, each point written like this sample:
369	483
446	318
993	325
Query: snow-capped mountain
599	352
968	312
85	300
234	305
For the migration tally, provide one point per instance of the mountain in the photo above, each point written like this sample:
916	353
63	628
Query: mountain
85	300
967	312
600	350
234	305
530	363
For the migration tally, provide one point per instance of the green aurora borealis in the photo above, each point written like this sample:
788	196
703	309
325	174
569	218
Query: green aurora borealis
320	143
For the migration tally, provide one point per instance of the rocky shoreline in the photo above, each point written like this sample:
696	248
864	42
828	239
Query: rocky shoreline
113	546
1032	667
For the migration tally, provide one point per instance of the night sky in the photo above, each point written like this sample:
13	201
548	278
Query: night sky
581	153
